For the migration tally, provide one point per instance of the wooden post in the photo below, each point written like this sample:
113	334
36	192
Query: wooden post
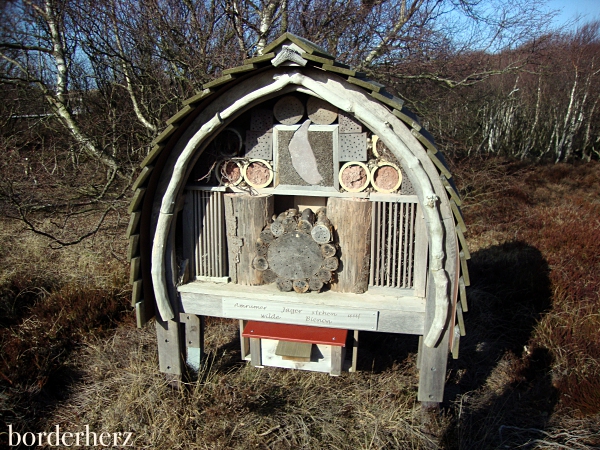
351	219
246	217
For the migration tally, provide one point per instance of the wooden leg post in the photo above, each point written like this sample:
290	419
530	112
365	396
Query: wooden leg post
169	349
194	339
255	352
433	360
337	359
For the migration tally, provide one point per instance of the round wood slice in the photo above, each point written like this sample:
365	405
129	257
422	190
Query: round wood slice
328	250
260	263
266	235
288	110
277	228
284	284
321	112
324	275
330	263
295	256
315	284
386	177
321	233
269	276
300	286
258	173
354	176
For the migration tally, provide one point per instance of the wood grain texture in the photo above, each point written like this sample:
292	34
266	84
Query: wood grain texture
245	217
351	220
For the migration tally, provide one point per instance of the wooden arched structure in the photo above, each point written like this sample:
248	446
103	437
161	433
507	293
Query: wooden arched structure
183	242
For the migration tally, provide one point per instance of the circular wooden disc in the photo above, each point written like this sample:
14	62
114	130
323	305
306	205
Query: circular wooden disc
229	172
258	173
295	256
386	177
354	176
228	142
315	284
288	110
321	112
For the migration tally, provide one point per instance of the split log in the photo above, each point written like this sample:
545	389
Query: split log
300	286
245	217
351	219
284	284
289	224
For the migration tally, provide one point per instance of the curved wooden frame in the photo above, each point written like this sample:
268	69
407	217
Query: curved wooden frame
342	94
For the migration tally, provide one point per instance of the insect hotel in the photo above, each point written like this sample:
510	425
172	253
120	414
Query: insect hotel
299	197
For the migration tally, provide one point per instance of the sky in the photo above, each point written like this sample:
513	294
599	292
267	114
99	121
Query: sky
569	9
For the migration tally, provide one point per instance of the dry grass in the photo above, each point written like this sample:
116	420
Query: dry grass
528	375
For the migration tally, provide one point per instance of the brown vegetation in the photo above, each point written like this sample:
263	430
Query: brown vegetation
528	372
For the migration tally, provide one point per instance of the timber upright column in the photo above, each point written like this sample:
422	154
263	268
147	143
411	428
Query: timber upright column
245	216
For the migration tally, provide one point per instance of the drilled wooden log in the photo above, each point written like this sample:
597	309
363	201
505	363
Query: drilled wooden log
300	286
260	263
277	227
284	284
315	284
322	231
351	219
269	276
330	263
261	248
266	235
328	250
245	217
306	221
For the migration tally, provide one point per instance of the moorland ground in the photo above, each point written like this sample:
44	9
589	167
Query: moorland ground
528	373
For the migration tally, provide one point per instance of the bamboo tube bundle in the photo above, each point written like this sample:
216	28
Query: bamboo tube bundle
295	251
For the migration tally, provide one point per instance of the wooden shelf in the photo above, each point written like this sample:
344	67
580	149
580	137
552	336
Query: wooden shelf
385	313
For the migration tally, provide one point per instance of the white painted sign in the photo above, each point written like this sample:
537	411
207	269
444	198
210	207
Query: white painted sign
300	314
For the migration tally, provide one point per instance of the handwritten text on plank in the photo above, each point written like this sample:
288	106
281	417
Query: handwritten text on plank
300	314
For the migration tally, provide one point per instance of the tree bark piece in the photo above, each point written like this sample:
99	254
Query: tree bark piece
331	263
351	219
324	275
245	217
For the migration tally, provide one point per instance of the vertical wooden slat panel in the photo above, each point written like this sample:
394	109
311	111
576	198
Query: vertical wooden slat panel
389	273
400	237
411	246
379	221
407	239
373	253
395	247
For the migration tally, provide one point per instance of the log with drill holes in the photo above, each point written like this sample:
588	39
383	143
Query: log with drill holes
296	251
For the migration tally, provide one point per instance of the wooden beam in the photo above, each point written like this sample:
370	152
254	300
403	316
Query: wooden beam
134	272
164	135
136	200
198	97
140	181
180	115
218	82
152	155
134	223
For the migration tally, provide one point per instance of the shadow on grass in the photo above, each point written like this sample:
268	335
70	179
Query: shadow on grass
501	388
